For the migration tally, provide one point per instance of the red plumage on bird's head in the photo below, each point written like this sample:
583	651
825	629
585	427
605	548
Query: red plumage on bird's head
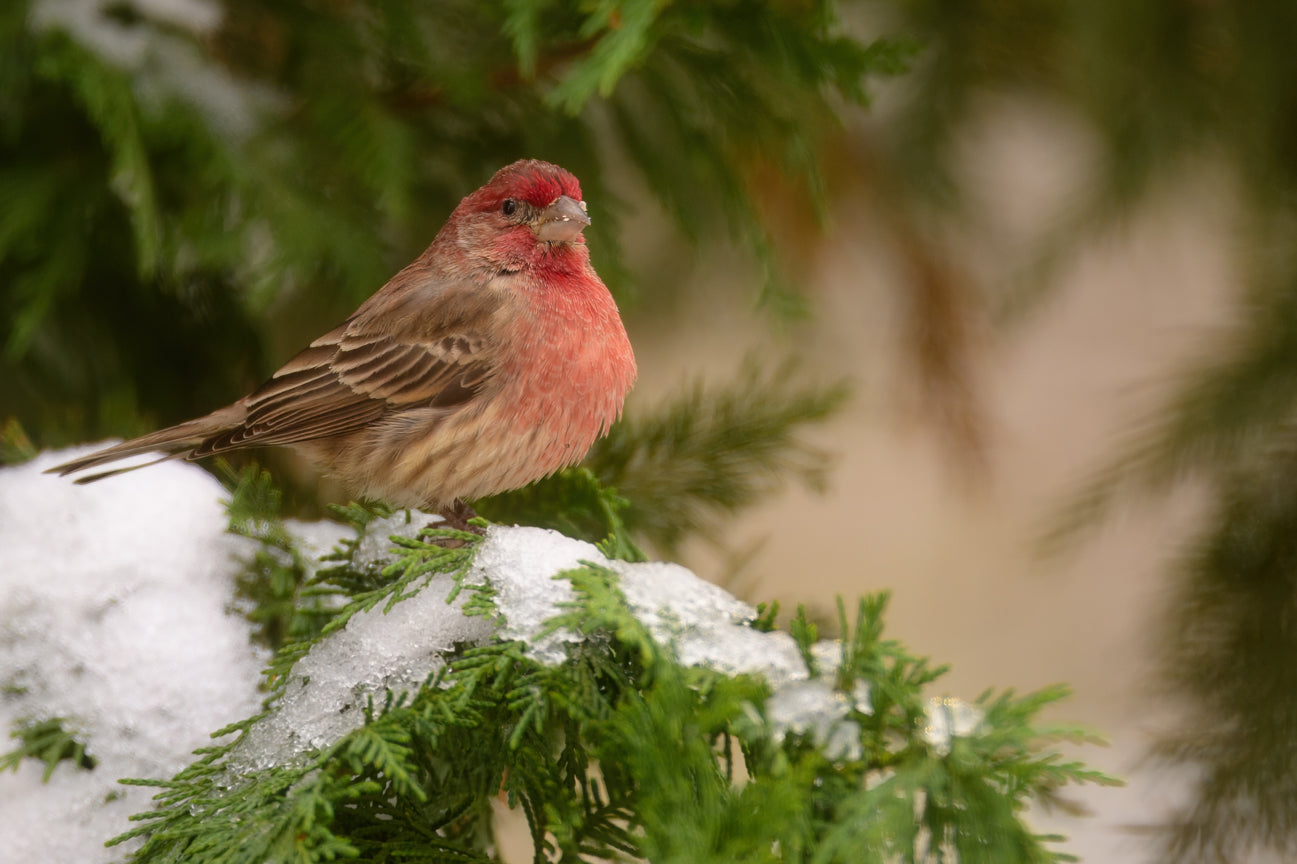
531	180
529	215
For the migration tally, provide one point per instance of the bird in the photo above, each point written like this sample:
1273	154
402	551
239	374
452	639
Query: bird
494	359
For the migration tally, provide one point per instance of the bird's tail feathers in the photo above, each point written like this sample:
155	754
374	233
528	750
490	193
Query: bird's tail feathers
103	475
176	442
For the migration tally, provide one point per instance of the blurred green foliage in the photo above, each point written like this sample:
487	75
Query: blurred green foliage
1227	647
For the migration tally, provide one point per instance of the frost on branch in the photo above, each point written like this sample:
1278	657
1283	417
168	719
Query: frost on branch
626	709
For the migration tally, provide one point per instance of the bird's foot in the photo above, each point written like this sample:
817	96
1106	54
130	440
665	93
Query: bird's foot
457	517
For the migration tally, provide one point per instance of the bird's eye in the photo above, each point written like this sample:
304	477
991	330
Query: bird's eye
509	207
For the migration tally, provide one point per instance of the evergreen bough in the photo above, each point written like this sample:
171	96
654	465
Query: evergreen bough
619	751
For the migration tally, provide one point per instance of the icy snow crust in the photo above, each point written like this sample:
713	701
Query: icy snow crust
705	624
325	696
116	612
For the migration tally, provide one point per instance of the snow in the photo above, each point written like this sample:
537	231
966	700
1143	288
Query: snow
91	23
524	602
314	540
118	613
112	614
816	708
326	694
398	650
706	625
947	718
161	54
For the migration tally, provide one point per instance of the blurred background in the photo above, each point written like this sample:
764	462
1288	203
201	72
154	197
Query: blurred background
990	304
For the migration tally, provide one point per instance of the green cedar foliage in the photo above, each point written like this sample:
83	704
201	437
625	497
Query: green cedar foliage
617	752
48	741
280	598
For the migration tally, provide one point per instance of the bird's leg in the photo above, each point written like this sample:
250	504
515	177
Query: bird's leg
456	516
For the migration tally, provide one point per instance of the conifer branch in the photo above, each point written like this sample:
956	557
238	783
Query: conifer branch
618	749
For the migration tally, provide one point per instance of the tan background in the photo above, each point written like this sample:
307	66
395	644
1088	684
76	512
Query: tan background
1129	310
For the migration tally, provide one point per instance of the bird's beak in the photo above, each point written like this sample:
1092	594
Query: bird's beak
562	221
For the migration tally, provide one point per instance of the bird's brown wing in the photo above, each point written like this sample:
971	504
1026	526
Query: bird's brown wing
361	372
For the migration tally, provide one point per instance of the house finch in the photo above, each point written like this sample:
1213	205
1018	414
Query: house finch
495	359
